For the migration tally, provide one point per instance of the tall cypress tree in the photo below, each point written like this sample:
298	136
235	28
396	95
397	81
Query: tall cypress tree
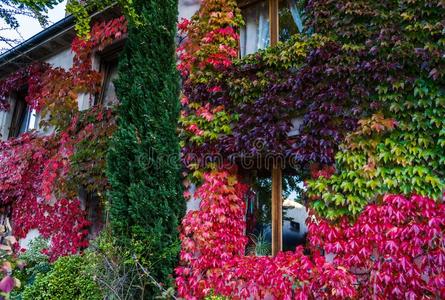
146	202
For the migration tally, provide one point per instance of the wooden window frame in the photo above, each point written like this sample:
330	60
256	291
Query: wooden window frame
277	172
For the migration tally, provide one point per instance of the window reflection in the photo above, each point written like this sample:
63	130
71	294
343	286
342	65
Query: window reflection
255	34
24	123
294	213
290	21
33	120
109	72
259	215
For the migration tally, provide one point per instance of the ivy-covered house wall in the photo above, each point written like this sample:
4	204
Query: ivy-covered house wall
350	102
366	80
57	189
49	155
63	58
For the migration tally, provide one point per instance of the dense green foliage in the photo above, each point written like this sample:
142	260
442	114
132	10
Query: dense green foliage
116	276
68	280
146	200
401	156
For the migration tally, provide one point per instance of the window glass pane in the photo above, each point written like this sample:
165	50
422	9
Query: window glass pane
109	90
255	33
24	125
259	216
19	116
290	18
33	120
294	213
109	59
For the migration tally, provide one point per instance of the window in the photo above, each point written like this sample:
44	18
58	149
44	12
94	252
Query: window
93	207
290	21
23	117
259	215
108	68
94	211
294	213
257	32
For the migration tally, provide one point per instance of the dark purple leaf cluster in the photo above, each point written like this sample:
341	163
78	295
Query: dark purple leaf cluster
325	95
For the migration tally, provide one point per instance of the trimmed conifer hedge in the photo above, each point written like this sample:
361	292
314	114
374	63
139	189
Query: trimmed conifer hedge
146	202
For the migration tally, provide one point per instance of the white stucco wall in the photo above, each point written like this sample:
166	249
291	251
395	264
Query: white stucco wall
187	8
63	59
32	234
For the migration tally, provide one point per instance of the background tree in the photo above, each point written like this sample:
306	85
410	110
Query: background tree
146	200
11	9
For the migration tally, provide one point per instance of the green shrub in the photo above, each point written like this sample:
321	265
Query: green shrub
68	280
116	275
35	263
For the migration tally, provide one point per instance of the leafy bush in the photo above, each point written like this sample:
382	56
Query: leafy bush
35	261
68	280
